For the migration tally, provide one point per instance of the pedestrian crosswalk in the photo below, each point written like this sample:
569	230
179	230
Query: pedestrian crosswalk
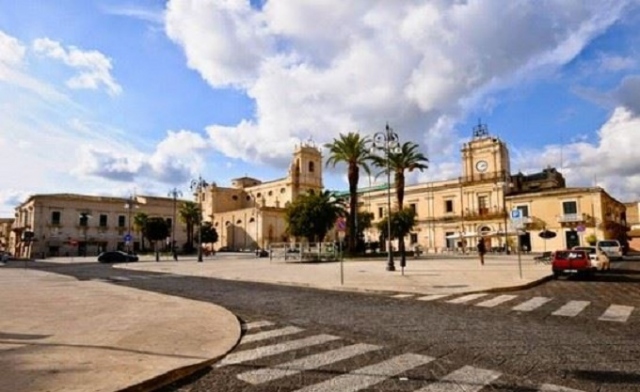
367	373
613	313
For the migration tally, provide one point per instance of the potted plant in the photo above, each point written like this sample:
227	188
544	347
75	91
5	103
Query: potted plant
591	239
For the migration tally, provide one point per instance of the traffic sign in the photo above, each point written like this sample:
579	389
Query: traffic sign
128	237
580	228
516	214
341	224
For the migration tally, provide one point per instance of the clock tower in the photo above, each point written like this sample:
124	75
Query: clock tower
485	156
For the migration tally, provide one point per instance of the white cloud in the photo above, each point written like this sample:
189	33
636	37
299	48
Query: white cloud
324	67
94	67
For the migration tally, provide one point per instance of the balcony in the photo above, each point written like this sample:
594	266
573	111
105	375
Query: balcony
572	218
485	214
494	177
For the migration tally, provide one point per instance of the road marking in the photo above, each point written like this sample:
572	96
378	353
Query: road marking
496	301
556	388
265	351
465	379
120	278
619	313
532	304
270	334
370	375
433	297
402	296
307	363
258	324
466	298
571	308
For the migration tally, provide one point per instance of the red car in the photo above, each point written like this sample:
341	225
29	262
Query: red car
571	262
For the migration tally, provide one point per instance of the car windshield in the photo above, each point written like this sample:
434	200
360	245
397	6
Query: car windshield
570	254
608	243
587	249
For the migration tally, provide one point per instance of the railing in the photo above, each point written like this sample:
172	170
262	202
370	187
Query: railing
494	177
571	218
485	214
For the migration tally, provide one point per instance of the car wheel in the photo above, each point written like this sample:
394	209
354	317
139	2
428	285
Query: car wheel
556	274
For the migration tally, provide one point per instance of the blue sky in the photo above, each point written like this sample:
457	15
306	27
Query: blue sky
117	97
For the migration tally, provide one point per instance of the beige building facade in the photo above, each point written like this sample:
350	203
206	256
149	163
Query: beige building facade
251	214
77	225
6	224
454	215
633	221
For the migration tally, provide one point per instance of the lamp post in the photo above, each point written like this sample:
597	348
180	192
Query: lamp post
387	142
129	205
505	213
175	193
197	186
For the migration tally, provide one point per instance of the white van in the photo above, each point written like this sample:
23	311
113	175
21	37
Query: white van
612	248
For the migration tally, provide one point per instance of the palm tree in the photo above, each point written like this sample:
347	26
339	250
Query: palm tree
353	150
190	216
139	225
407	158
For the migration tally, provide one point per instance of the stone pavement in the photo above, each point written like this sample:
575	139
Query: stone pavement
61	334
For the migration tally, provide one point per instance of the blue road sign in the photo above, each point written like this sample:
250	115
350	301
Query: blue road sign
516	214
128	238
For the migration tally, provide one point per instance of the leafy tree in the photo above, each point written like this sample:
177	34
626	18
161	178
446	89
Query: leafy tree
209	233
157	229
190	215
353	150
312	215
402	222
407	158
139	225
363	222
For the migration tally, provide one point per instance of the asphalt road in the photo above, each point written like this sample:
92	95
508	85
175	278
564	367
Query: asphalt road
405	344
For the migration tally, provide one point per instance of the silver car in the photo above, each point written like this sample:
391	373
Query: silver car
612	248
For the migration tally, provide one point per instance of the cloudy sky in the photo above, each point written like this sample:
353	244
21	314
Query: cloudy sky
115	97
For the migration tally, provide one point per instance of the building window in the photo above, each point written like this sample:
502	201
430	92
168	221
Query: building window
55	217
103	220
524	211
414	208
380	212
234	197
169	222
448	206
569	207
84	219
483	208
282	190
311	167
270	193
121	220
413	238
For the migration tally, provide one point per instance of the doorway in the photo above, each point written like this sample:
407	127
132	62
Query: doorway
571	238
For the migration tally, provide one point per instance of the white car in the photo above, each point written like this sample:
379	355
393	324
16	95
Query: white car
593	256
612	248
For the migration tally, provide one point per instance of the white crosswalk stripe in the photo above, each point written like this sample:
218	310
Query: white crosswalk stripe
400	296
619	313
496	301
258	324
466	379
532	304
571	308
265	351
370	375
270	334
433	297
466	298
307	363
556	388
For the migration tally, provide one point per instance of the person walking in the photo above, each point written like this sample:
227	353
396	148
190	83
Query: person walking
481	250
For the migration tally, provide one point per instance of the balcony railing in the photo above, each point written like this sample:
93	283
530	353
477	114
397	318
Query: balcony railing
571	218
485	214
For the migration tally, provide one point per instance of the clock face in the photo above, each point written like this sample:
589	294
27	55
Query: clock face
482	166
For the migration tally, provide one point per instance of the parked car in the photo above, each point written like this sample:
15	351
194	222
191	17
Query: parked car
116	256
4	256
262	253
597	262
612	248
571	262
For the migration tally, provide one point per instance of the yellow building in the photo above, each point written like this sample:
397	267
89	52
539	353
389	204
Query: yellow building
454	215
250	213
6	224
633	221
72	225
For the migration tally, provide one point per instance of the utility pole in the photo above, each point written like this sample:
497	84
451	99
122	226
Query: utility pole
174	193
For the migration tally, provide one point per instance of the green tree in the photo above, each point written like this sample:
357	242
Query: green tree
209	233
312	215
406	158
353	150
402	222
157	229
363	222
190	215
139	225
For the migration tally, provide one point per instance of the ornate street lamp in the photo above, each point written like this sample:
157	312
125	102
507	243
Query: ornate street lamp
197	186
130	204
175	193
387	142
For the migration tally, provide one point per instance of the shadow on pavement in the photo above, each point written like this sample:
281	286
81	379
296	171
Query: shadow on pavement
608	376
